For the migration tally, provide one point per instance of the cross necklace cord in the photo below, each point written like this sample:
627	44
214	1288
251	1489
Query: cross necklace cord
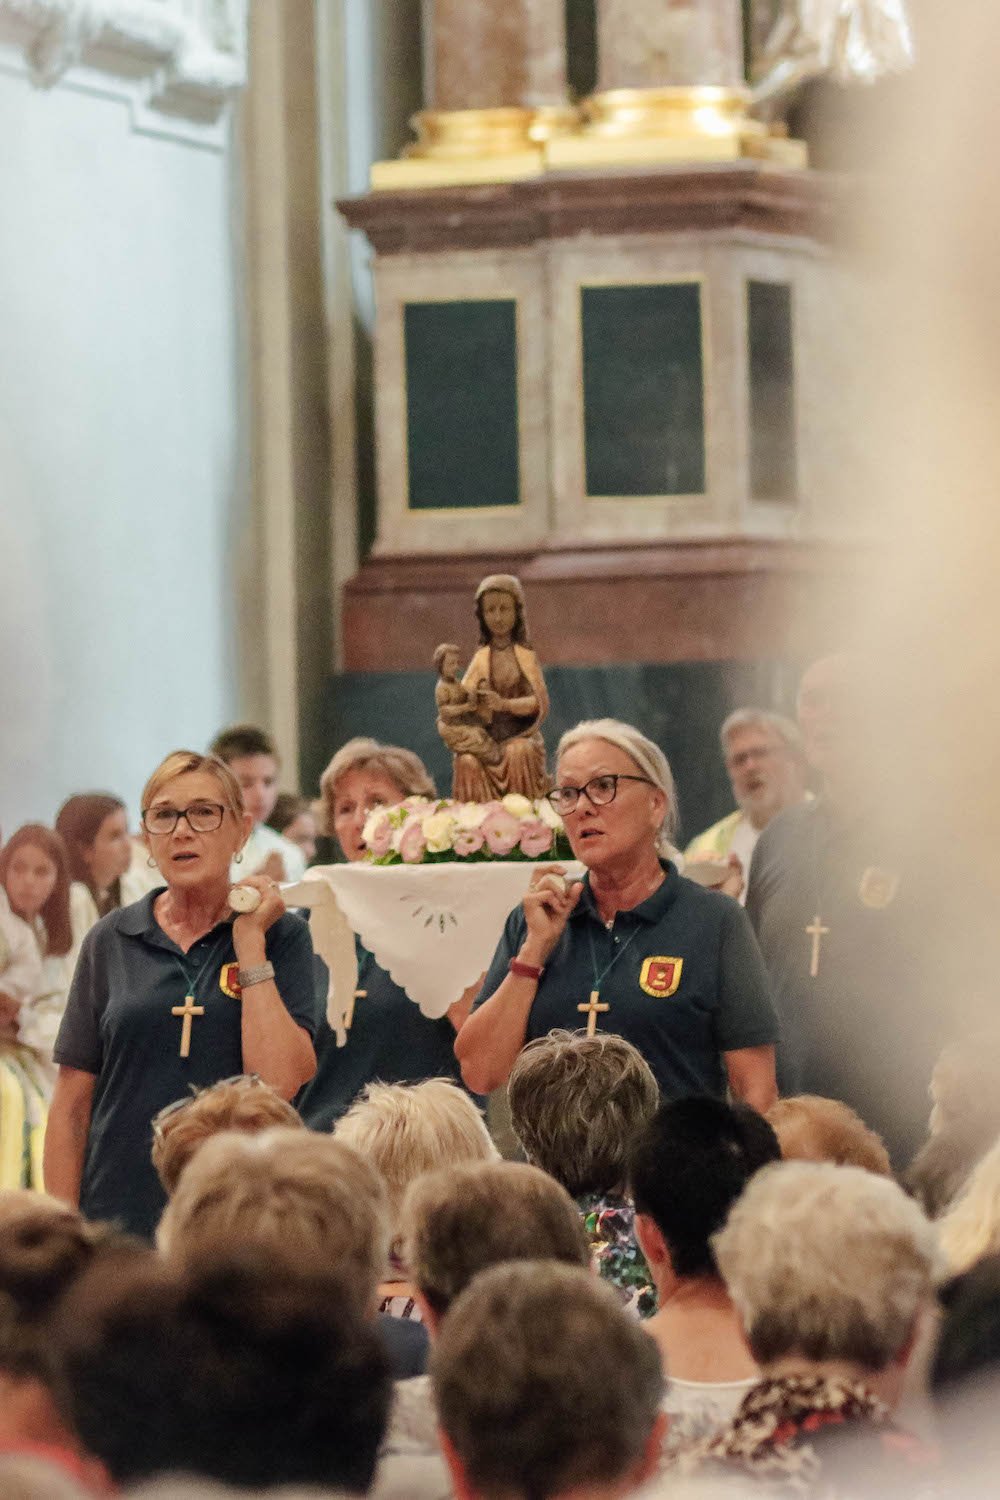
189	1010
595	1004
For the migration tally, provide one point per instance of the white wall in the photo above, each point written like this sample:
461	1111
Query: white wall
123	501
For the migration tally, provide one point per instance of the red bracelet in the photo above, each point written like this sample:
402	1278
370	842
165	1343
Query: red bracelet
525	971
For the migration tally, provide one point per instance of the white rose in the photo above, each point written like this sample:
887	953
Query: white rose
375	817
438	832
518	806
469	814
548	815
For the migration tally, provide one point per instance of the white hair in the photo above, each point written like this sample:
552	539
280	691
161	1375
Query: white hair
648	756
405	1129
829	1262
970	1228
763	718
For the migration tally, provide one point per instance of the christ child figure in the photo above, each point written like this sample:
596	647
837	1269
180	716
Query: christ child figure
460	714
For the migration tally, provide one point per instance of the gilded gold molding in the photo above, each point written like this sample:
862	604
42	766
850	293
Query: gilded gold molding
617	128
475	133
671	124
475	145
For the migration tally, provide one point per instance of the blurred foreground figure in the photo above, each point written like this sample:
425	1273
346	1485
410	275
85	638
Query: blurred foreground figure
229	1372
835	903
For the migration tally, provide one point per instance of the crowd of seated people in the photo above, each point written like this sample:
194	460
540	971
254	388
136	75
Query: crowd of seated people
678	1290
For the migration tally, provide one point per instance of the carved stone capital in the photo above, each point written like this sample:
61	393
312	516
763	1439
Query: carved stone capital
183	58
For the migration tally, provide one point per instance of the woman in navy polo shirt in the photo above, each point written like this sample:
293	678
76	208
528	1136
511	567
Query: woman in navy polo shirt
635	949
387	1037
173	991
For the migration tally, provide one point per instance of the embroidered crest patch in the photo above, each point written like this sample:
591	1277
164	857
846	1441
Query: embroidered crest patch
229	984
660	976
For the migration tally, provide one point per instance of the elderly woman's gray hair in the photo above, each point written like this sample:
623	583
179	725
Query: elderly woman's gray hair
401	766
648	756
833	1263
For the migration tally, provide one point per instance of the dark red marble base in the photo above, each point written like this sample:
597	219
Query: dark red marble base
687	601
639	200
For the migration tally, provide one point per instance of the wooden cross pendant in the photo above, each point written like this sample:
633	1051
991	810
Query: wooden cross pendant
358	995
591	1008
187	1010
817	932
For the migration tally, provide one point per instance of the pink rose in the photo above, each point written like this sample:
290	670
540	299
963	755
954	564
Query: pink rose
501	831
536	839
381	839
468	841
413	843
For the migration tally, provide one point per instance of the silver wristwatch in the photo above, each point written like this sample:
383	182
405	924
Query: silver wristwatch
259	974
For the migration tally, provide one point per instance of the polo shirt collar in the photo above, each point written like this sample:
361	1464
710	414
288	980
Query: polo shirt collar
650	911
138	919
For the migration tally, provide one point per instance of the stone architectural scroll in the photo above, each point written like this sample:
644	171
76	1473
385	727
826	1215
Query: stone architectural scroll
183	60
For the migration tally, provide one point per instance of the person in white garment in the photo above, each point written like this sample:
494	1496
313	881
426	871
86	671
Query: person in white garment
251	756
767	771
94	829
34	875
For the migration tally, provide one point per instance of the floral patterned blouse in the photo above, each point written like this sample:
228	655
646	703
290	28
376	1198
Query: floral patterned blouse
614	1252
811	1435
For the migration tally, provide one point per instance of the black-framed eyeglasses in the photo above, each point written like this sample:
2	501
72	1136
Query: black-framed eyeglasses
202	817
599	790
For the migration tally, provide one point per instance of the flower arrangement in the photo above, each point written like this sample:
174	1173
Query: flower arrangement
420	831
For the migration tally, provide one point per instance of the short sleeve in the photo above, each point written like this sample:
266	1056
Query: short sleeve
508	946
296	974
78	1044
746	1016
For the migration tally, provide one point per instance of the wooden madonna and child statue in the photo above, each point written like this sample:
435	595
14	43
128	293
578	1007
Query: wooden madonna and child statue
490	719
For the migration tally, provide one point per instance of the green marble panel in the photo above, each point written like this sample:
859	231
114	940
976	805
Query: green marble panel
643	389
461	404
772	392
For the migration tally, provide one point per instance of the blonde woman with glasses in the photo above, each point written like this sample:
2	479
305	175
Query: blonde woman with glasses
635	948
174	991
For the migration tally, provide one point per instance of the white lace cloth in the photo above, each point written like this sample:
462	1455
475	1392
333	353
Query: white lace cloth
433	928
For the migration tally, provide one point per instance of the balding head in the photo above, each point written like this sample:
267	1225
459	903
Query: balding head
826	708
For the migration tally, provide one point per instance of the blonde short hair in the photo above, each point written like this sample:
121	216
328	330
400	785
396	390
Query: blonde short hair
402	767
406	1129
180	762
576	1104
833	1263
247	1104
811	1128
970	1227
648	757
461	1219
311	1204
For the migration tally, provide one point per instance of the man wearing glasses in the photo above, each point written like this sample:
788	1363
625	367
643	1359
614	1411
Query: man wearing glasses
767	771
